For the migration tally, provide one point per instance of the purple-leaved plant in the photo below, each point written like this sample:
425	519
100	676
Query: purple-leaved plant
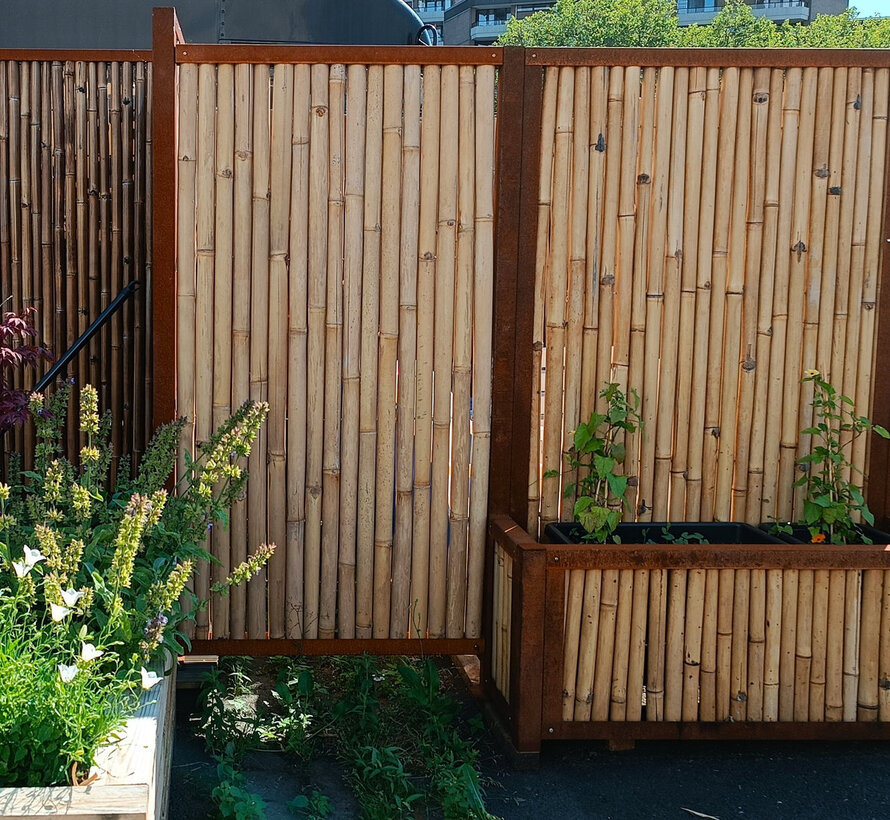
17	350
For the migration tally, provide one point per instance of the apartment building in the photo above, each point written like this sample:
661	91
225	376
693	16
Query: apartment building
481	22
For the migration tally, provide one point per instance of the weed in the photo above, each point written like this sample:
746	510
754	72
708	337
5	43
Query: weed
231	796
314	806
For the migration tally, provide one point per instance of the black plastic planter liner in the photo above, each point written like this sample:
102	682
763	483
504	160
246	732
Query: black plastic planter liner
801	535
570	532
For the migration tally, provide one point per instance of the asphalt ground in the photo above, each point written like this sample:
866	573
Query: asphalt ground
656	779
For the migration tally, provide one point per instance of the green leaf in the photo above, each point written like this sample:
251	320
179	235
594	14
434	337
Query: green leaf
604	465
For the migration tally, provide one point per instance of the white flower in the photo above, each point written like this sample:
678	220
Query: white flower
89	652
58	613
67	673
21	569
33	556
149	679
71	596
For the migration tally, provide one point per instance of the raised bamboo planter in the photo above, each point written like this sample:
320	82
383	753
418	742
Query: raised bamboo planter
737	642
133	773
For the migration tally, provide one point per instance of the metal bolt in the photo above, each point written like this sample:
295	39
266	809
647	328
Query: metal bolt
550	730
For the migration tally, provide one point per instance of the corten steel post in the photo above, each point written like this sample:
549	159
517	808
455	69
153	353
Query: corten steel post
165	36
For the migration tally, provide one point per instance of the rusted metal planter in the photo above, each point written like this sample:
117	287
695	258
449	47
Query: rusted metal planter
626	642
133	772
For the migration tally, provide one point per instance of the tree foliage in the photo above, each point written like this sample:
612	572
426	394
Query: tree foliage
653	23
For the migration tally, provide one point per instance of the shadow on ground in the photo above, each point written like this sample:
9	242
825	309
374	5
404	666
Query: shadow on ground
657	779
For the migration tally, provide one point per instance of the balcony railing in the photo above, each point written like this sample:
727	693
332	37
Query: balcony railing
705	6
433	5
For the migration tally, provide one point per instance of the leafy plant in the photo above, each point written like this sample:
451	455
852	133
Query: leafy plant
232	798
90	581
833	502
314	806
685	537
17	350
596	455
383	786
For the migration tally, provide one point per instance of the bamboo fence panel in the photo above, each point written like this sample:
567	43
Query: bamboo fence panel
754	199
502	620
725	645
352	257
55	134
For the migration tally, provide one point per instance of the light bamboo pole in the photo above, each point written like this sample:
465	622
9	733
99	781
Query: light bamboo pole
542	266
590	583
729	96
756	644
675	649
758	507
446	257
403	619
703	257
222	312
576	280
821	580
773	645
626	223
852	124
621	655
483	309
852	624
824	342
555	302
695	120
725	599
241	251
319	159
834	654
279	250
656	644
333	354
462	363
202	318
776	500
670	343
857	252
636	668
609	254
753	241
788	642
575	624
735	292
367	448
884	652
426	289
866	365
297	362
815	260
388	346
643	207
356	118
186	294
257	495
803	660
796	306
596	165
692	643
741	605
606	638
655	293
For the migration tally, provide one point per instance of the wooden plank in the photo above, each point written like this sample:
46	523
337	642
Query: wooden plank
344	55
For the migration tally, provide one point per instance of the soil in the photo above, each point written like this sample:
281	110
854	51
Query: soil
584	780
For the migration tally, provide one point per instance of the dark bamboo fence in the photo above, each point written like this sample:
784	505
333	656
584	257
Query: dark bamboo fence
75	221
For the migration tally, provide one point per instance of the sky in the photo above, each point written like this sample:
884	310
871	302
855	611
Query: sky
867	8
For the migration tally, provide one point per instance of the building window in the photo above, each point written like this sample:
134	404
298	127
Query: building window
493	17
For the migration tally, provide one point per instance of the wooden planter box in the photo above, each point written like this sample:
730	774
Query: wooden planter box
625	642
133	772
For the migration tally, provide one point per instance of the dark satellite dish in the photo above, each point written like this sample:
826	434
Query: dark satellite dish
122	24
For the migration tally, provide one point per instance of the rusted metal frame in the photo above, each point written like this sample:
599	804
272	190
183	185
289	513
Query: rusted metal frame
360	55
272	647
661	730
719	556
711	57
526	272
527	650
877	489
75	55
554	649
165	35
510	535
